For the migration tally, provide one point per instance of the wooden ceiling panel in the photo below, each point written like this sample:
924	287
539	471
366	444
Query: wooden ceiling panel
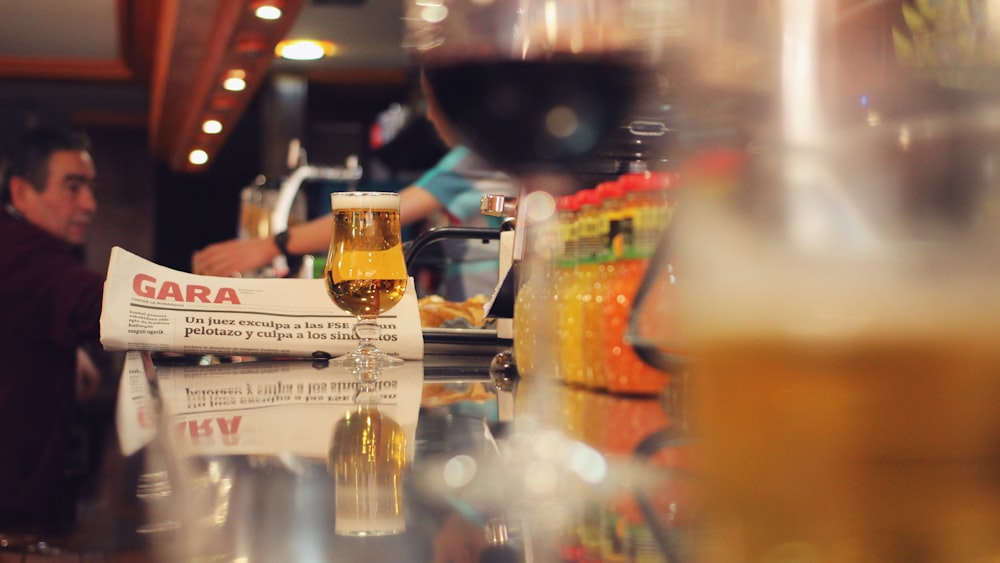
201	40
137	27
33	68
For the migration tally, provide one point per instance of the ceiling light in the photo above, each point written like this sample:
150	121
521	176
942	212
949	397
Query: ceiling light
304	49
235	81
212	126
267	11
198	157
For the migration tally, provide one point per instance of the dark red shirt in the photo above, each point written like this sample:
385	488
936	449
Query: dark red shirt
49	303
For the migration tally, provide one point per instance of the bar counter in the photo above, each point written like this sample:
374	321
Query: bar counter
237	459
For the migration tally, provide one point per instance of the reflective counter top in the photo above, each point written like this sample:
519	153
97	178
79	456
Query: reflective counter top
285	460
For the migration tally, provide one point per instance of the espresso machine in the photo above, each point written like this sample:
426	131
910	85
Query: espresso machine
265	211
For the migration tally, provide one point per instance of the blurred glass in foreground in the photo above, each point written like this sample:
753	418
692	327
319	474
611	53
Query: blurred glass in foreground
839	283
536	86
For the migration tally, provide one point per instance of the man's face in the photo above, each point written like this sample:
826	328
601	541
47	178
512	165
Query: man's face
65	205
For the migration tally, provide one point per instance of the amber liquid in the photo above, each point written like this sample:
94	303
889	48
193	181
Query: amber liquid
365	272
367	458
255	221
877	447
365	298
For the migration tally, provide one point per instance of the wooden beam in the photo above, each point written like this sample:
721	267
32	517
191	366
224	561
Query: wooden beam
31	68
160	72
199	41
138	22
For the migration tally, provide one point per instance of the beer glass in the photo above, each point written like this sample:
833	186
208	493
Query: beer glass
365	271
840	291
367	458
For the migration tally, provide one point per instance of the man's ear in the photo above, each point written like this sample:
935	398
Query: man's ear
19	188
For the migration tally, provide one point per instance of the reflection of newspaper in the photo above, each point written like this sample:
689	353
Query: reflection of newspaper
275	407
253	408
150	307
135	410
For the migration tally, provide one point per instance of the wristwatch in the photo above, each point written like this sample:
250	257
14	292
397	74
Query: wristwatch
281	241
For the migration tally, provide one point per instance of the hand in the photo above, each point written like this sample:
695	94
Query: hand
459	541
233	257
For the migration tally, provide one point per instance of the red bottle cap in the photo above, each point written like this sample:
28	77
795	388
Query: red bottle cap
588	197
567	203
611	189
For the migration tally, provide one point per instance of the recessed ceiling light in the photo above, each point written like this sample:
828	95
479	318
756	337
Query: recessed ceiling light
235	81
198	157
267	11
212	126
304	49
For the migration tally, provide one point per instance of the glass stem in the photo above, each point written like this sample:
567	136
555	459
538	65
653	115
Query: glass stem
367	332
367	355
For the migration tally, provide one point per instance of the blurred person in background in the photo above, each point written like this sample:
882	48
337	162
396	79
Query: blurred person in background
452	188
52	308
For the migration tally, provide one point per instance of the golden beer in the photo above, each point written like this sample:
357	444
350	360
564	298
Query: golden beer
867	432
365	272
367	458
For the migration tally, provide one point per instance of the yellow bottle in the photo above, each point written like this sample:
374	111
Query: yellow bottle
534	306
566	293
589	287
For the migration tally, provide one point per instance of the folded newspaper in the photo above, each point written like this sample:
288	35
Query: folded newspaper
155	308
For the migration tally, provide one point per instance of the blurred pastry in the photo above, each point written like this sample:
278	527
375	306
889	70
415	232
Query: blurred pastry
436	312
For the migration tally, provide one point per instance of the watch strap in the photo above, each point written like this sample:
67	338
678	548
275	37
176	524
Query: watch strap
281	241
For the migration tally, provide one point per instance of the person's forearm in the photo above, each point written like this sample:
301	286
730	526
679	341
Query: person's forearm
312	237
416	204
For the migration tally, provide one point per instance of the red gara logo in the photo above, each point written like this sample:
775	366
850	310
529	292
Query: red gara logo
146	286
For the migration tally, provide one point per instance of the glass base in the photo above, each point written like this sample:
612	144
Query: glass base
365	359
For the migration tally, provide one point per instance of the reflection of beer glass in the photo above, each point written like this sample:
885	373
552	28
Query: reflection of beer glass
365	270
367	458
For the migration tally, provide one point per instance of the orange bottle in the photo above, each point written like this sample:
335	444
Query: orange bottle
616	236
590	288
648	212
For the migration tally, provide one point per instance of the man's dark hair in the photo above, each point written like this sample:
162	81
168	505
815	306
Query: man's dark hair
28	156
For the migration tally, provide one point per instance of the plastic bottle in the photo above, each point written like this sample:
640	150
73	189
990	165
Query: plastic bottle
589	288
535	319
649	207
616	235
564	291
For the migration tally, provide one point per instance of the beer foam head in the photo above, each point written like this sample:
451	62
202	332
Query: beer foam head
364	200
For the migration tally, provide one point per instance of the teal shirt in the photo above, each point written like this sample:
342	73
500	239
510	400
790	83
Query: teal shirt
458	182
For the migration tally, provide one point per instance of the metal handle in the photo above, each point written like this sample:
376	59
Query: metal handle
496	205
